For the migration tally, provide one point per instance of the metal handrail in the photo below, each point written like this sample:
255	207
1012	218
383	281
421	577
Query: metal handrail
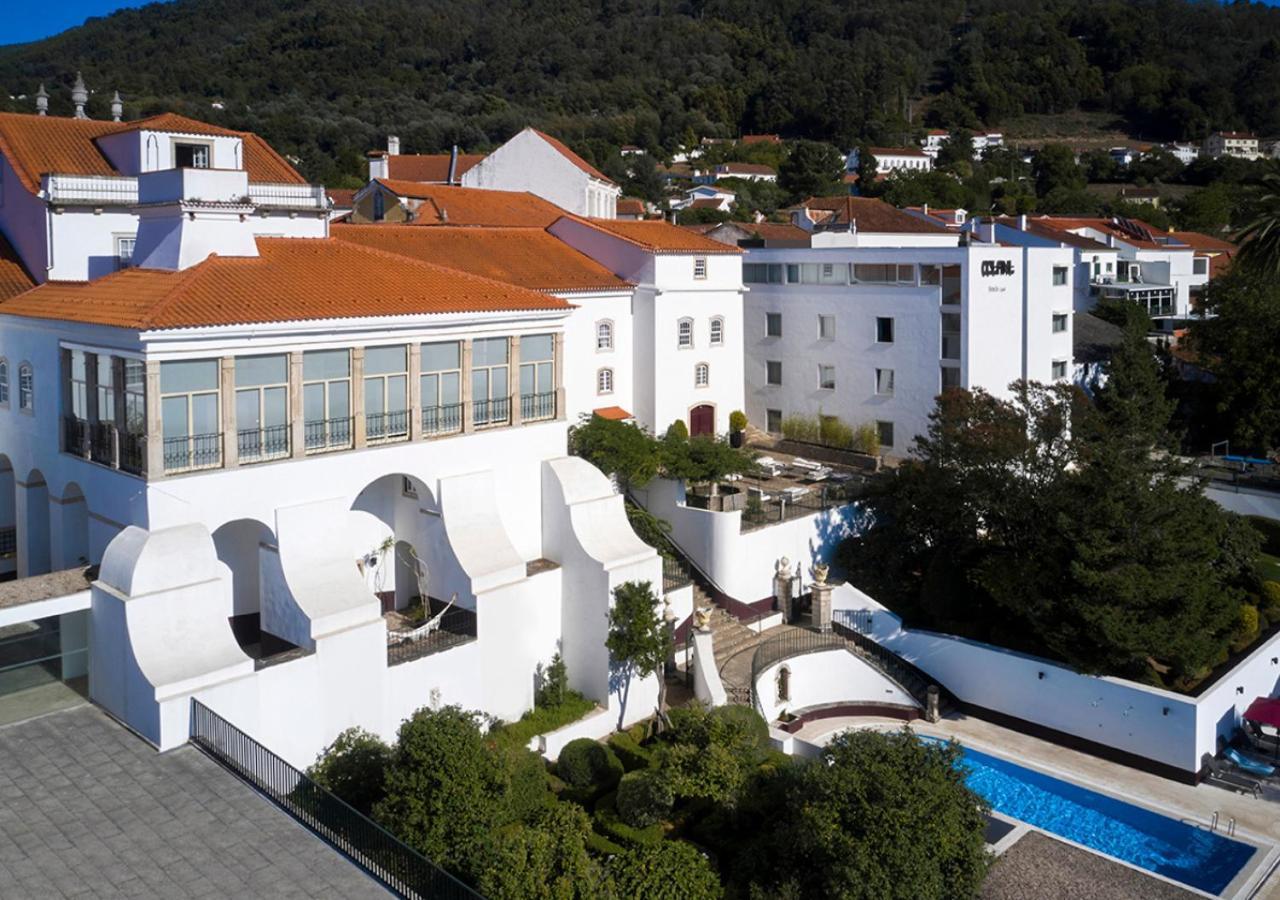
320	435
260	444
194	451
494	411
534	407
443	419
393	425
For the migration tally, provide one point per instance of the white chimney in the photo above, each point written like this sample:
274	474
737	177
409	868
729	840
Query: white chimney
379	164
80	96
393	145
185	215
1022	222
42	101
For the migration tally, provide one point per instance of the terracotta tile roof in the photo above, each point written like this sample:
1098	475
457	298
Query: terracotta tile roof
1132	231
573	157
707	203
616	413
13	277
528	257
745	169
761	139
294	279
776	231
452	205
631	206
343	198
1199	241
872	216
1061	236
657	236
433	167
38	145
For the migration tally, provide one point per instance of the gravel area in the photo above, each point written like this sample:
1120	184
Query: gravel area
1038	867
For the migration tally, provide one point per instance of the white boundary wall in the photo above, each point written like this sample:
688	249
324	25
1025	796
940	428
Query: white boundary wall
1159	725
825	678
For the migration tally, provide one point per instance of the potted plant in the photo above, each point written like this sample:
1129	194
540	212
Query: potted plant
737	425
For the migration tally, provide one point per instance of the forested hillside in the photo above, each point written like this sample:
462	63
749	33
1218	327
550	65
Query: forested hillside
324	80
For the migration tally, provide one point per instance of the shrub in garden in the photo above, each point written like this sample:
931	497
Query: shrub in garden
644	798
737	421
584	763
353	767
555	683
667	870
834	433
866	439
1271	598
630	752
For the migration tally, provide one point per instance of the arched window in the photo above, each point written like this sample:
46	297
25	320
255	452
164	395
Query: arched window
784	684
717	331
604	335
26	387
701	375
4	382
604	381
684	334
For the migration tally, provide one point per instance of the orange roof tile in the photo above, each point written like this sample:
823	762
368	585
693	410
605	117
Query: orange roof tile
451	205
529	257
616	413
657	236
432	167
871	215
38	145
343	198
631	206
13	277
293	279
736	168
573	157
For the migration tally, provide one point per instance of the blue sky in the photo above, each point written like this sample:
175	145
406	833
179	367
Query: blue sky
30	20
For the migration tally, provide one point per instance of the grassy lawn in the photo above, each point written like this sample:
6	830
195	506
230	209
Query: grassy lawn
1269	567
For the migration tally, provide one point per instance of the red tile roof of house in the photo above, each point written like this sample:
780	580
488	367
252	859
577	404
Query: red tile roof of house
433	167
657	236
761	139
736	168
631	206
777	231
1236	135
13	277
872	216
572	157
293	279
343	198
706	203
1132	231
529	257
451	205
1205	242
40	145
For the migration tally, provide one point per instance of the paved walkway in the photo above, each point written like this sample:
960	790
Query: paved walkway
87	809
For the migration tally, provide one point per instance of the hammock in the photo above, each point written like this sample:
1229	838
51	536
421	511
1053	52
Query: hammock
426	629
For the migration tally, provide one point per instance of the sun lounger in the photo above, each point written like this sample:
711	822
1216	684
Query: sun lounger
795	493
1218	774
809	465
1245	764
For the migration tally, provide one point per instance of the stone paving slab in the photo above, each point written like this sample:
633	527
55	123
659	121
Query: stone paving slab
1037	866
87	809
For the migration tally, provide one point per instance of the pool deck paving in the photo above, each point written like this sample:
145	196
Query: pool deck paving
88	809
1256	820
1039	866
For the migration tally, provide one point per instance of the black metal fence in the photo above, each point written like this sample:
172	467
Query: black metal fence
675	574
8	542
255	444
457	626
102	443
445	419
386	426
75	435
133	452
196	451
537	406
388	859
495	411
781	507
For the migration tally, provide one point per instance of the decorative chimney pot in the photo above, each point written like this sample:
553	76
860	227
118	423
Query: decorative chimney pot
117	107
80	96
42	101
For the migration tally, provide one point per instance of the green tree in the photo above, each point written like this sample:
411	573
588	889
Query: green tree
639	641
1260	237
643	179
811	169
701	459
1054	168
353	767
544	860
445	789
879	816
1209	209
623	449
667	870
709	754
957	148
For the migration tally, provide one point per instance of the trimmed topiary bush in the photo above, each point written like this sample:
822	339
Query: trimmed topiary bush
737	420
1271	598
608	822
584	764
354	767
746	721
644	798
630	753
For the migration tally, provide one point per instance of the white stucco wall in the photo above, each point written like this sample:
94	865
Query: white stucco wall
583	360
528	163
825	678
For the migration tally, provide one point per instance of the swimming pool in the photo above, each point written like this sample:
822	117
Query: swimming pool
1147	839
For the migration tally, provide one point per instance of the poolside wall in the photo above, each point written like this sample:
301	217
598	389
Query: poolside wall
1142	726
826	678
1245	501
742	564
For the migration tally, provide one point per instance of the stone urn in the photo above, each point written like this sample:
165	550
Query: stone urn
820	571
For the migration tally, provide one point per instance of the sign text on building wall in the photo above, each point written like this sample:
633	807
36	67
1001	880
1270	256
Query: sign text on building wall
997	267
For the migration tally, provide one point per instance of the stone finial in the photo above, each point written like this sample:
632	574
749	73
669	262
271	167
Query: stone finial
782	567
80	96
117	107
820	571
42	101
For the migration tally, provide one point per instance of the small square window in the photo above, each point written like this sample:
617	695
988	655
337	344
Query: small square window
884	382
191	156
884	330
406	486
827	378
950	377
885	431
1059	275
700	268
773	372
773	421
1059	369
773	324
1059	323
826	328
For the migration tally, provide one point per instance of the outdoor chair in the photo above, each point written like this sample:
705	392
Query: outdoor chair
1218	774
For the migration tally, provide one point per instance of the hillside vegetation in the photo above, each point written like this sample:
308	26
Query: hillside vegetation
325	80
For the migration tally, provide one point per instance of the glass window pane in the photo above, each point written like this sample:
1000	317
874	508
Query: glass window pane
544	377
106	371
536	347
498	386
385	360
275	406
247	415
398	393
489	352
480	384
373	396
340	400
528	379
440	357
313	402
450	389
317	364
430	390
78	365
173	416
204	414
189	375
255	370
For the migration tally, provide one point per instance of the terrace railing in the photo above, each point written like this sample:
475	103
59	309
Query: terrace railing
133	452
75	433
191	452
8	541
262	444
781	508
496	411
457	627
107	190
385	427
320	435
288	196
675	574
103	443
534	407
385	857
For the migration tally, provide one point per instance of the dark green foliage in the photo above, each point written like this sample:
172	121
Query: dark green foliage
616	448
648	527
668	870
677	430
644	798
700	459
711	754
639	641
883	816
1260	237
353	767
542	719
555	683
584	764
1269	529
737	420
1085	544
608	821
544	860
811	169
1129	316
630	752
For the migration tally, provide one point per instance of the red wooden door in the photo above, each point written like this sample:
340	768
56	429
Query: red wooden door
702	420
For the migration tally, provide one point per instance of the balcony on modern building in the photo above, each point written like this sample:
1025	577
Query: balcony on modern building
161	418
1156	299
119	190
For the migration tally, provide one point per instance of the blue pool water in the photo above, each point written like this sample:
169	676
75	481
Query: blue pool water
1146	839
